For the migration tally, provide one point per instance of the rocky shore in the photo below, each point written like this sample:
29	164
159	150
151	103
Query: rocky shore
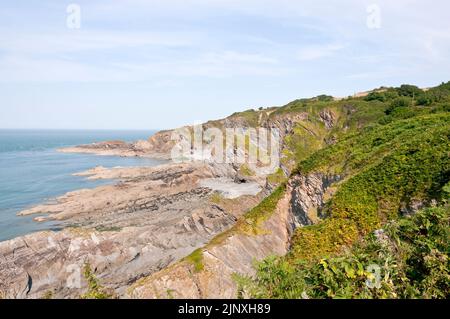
136	232
149	219
158	146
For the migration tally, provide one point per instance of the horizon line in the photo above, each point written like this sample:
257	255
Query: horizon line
79	129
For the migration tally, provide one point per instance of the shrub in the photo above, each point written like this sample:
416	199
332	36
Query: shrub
408	259
401	102
409	90
95	290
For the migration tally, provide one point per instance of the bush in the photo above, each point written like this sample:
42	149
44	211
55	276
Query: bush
424	100
409	91
408	259
401	102
95	290
376	96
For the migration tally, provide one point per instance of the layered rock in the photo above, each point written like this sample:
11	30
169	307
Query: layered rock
308	195
135	232
237	252
158	146
150	219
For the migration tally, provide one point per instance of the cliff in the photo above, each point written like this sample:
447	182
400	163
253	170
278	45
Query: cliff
348	168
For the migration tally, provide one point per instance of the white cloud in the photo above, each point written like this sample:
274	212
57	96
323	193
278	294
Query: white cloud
26	68
79	40
186	44
318	51
237	57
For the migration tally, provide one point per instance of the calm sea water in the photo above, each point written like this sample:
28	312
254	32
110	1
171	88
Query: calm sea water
32	172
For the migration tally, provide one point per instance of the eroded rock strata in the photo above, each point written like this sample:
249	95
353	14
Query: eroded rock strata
237	252
136	232
126	231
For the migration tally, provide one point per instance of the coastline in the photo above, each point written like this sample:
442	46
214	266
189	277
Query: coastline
148	219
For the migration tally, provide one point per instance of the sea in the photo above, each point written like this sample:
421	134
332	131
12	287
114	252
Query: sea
32	172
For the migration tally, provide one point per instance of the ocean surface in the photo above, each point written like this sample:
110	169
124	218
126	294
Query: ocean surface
33	172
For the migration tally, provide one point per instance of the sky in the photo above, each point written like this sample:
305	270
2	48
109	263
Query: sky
156	64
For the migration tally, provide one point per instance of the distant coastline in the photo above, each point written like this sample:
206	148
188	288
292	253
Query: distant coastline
34	172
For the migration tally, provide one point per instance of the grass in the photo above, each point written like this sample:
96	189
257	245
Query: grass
386	168
108	228
391	150
196	258
408	259
277	178
216	198
390	154
249	224
95	290
244	170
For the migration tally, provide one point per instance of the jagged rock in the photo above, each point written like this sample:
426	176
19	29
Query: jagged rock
235	254
151	219
328	117
307	196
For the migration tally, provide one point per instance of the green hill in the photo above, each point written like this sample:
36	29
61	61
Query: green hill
391	153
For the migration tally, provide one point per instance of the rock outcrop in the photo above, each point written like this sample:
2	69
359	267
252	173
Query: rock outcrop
237	252
158	146
308	195
150	219
135	233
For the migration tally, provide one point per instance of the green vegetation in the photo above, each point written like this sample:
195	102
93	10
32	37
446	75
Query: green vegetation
196	258
95	290
387	168
48	295
108	229
277	178
408	259
216	198
250	117
244	170
249	224
391	152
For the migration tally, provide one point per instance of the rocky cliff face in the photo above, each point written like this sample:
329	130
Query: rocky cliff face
308	194
135	233
151	219
160	145
219	262
237	252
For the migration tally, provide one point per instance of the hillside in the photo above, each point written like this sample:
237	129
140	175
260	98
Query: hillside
358	208
354	166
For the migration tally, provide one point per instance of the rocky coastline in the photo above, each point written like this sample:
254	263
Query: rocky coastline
149	218
146	223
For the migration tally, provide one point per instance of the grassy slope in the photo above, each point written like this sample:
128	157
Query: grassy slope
387	168
400	156
409	259
391	148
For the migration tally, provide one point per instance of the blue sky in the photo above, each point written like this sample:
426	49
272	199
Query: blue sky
136	64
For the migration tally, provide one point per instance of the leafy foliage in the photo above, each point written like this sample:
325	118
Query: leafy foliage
391	154
196	258
387	168
409	259
95	290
